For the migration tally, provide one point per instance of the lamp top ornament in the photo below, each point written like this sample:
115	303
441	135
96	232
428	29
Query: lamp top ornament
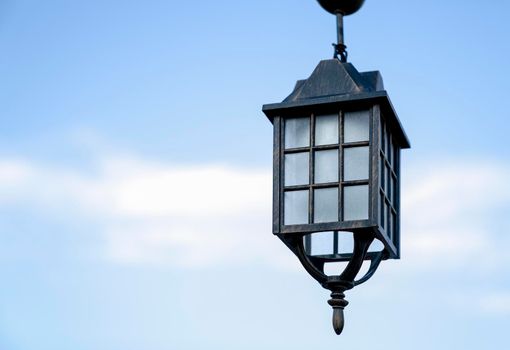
344	7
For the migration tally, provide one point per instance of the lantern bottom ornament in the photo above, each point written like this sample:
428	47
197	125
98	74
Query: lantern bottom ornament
346	280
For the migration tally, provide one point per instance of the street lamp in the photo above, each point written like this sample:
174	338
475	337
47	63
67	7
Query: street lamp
336	170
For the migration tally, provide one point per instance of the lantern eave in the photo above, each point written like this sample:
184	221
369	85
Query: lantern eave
353	100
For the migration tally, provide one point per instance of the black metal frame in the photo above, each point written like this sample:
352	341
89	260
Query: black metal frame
389	191
364	231
334	87
373	223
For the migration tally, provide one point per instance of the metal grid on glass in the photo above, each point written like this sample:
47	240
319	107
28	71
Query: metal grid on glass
330	245
336	182
389	186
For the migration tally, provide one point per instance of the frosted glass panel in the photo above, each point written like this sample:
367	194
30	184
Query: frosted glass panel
297	169
326	166
382	218
386	217
395	158
388	182
355	202
356	126
394	222
390	150
355	163
345	242
382	137
382	173
390	223
325	205
386	142
394	191
297	132
326	129
322	243
296	207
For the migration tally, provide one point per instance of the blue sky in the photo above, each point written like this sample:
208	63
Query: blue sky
135	175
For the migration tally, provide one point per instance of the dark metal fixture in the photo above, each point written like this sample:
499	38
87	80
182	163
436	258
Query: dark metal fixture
341	8
336	170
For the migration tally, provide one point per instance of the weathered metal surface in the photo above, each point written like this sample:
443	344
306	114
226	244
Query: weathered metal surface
335	87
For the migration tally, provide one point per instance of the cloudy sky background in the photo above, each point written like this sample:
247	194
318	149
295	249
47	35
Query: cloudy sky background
135	175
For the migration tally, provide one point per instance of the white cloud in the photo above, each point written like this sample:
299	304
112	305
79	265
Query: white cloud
13	175
450	213
498	304
158	213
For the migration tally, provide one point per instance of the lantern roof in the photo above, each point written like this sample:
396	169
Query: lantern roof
333	83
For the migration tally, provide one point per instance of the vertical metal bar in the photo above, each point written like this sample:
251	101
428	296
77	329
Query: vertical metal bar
308	244
311	168
335	242
340	28
341	117
340	48
396	239
277	174
374	164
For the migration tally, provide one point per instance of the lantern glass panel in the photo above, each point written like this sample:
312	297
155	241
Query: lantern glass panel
390	223
296	207
390	150
326	205
355	202
395	157
356	163
388	182
329	243
382	172
394	222
326	129
383	136
296	168
381	214
322	243
394	186
297	132
356	126
326	166
387	218
345	242
387	141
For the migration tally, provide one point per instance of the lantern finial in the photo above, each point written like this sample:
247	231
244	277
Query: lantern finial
338	303
341	8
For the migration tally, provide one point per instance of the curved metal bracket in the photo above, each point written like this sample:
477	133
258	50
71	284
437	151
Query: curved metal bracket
374	264
362	242
315	271
346	280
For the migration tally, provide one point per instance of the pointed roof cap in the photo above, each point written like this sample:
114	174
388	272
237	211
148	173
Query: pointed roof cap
332	77
332	83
